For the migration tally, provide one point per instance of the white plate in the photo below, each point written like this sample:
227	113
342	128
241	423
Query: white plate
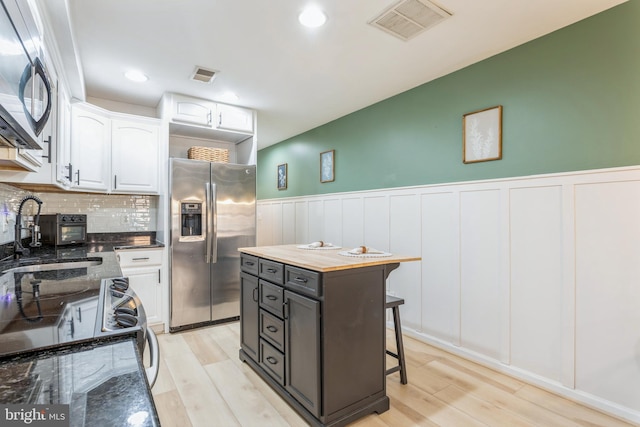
365	255
318	247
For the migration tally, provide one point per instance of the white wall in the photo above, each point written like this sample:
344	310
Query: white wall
537	276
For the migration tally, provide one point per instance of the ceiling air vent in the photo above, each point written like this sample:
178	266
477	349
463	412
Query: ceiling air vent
203	75
408	18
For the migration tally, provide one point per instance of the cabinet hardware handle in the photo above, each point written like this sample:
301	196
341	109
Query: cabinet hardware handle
78	173
272	270
250	263
159	278
220	119
209	117
140	259
79	309
300	279
70	176
115	182
255	294
48	142
272	328
271	297
285	309
272	360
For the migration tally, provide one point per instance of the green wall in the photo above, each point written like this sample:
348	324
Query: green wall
571	101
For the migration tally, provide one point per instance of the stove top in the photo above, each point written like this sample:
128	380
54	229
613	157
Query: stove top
44	309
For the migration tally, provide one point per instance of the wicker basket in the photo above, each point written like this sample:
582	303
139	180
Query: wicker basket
220	155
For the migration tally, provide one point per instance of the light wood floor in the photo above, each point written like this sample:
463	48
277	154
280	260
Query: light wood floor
202	383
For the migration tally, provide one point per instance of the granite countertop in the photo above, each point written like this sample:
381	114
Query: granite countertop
102	384
69	372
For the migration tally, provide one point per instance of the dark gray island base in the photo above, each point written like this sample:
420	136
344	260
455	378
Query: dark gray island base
313	328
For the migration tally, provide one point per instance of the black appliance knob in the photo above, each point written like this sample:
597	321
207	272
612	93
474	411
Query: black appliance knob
126	310
126	320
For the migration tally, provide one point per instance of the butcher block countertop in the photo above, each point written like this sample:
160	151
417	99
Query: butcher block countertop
322	260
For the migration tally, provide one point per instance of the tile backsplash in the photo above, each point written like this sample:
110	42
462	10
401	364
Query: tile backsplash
105	213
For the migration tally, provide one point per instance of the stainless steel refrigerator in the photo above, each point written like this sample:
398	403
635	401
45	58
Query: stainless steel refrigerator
213	213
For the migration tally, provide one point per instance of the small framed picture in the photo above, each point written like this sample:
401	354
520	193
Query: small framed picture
282	176
482	135
327	166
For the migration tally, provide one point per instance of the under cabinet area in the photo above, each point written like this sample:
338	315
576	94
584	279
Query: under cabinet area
112	152
317	338
143	267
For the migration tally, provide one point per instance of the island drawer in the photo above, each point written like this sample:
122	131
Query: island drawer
303	281
272	330
272	361
249	264
271	297
272	271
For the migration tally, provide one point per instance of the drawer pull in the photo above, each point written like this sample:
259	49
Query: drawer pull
272	360
300	279
255	294
250	263
272	270
272	328
146	258
271	297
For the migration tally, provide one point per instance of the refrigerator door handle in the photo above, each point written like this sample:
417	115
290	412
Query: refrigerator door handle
214	228
207	256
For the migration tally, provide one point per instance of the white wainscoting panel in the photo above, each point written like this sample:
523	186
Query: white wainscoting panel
480	290
352	222
536	280
404	238
288	217
376	222
332	221
538	276
608	291
441	266
302	223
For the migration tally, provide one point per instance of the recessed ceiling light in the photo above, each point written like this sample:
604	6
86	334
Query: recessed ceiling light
312	17
229	97
136	76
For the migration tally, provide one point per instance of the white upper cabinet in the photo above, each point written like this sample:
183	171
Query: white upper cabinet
112	152
134	156
192	110
90	148
230	117
201	118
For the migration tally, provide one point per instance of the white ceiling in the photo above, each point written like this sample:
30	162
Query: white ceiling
296	78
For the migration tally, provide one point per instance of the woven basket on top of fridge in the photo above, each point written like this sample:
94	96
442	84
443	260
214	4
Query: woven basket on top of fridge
209	154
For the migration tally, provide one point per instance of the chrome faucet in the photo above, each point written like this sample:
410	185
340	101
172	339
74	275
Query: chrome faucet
18	249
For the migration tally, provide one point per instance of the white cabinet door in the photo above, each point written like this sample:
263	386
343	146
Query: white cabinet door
143	267
237	119
146	283
90	148
134	156
64	165
192	110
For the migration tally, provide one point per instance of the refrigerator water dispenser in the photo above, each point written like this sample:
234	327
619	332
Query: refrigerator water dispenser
191	219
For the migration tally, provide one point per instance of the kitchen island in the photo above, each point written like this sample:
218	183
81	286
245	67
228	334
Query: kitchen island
313	327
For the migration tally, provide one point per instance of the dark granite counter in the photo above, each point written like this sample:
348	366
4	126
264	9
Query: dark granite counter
73	374
102	383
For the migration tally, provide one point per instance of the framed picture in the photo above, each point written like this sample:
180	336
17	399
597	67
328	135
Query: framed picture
282	176
327	166
482	135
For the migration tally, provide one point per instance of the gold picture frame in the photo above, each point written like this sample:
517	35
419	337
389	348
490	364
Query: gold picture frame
282	177
327	166
482	135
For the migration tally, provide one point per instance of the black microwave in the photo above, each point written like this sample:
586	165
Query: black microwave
63	229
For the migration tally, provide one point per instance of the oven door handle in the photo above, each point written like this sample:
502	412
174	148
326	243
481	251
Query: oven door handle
154	357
